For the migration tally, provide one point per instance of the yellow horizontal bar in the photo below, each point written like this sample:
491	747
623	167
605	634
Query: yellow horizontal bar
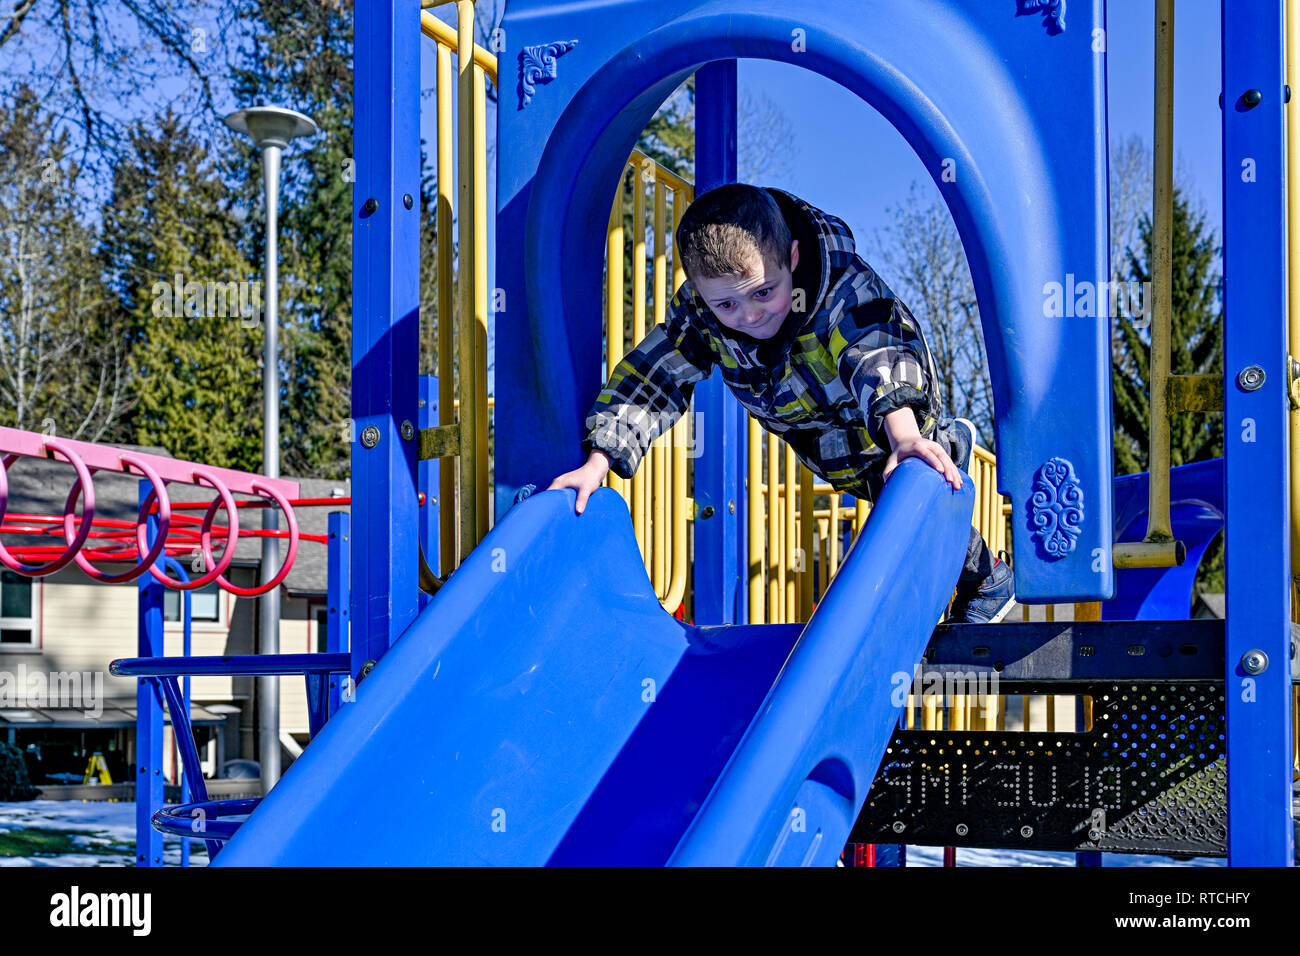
1149	554
1195	393
445	35
662	173
441	441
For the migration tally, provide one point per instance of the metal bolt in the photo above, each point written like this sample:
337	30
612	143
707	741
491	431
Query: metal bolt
962	829
707	512
369	206
1094	835
1254	662
370	436
408	430
407	201
1026	832
731	506
898	826
1252	98
1250	378
366	668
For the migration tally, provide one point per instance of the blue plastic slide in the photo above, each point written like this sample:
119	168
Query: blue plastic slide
545	709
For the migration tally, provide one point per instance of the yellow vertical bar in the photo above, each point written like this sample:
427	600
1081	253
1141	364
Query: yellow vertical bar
835	534
757	612
779	551
1159	527
449	554
806	502
482	413
824	556
1293	272
681	439
639	496
467	280
615	319
773	531
660	520
791	501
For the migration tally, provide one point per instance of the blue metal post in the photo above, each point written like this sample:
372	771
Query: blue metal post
1255	425
720	547
385	323
339	595
149	715
427	475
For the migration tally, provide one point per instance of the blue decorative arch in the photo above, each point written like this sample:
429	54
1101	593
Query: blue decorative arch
1014	111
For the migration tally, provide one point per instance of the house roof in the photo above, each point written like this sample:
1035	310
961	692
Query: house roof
40	486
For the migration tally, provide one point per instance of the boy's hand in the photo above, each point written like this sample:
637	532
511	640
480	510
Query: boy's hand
586	479
905	437
926	450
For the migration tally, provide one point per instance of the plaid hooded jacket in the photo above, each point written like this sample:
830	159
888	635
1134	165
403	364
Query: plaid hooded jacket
824	382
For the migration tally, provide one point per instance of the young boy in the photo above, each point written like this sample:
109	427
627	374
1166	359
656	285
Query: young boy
812	342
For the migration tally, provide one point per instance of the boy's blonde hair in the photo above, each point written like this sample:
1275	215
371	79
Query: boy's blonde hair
720	230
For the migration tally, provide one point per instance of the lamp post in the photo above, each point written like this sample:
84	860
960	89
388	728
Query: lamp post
272	128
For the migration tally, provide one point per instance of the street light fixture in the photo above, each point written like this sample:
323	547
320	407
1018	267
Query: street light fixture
271	128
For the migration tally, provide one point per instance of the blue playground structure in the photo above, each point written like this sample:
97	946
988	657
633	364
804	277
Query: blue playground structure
543	708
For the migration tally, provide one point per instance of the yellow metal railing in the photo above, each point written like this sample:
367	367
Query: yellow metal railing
463	407
658	497
788	535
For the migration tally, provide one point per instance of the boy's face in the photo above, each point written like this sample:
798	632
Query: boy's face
756	303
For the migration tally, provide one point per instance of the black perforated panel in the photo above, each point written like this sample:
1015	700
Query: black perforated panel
1148	777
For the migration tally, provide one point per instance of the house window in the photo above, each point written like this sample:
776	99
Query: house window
321	614
205	604
17	620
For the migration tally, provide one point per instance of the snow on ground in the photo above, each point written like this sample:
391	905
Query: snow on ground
933	856
115	823
102	823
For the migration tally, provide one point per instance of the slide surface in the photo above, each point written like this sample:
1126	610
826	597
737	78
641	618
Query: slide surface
545	709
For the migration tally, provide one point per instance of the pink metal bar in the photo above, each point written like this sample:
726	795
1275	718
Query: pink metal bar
224	498
160	539
107	458
289	557
87	510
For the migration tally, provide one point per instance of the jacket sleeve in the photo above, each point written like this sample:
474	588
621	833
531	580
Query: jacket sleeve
882	359
650	389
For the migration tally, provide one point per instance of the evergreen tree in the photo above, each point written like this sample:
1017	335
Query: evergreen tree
192	303
1196	339
301	57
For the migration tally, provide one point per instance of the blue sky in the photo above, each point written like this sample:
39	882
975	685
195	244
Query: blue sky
817	109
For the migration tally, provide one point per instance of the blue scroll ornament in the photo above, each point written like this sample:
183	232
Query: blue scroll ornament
1056	508
539	64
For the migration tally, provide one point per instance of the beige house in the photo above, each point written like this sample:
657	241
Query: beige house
58	634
